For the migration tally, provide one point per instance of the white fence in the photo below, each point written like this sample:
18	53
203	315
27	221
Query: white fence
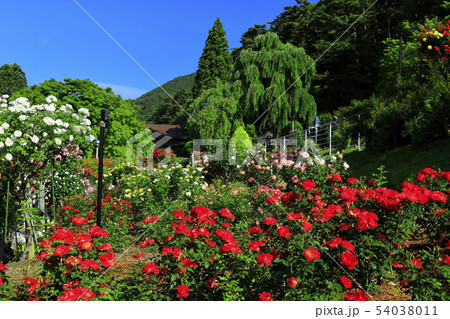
320	135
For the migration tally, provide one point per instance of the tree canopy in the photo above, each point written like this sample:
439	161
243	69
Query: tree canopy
214	112
86	94
271	81
215	62
350	67
12	78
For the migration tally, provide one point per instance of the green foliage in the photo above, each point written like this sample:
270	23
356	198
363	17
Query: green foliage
401	163
215	63
378	120
214	112
173	111
152	100
251	131
241	142
12	79
350	69
427	109
86	94
390	80
274	77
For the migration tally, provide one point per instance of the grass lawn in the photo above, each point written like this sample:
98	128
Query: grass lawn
401	163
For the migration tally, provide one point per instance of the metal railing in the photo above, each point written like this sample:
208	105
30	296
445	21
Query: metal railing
320	136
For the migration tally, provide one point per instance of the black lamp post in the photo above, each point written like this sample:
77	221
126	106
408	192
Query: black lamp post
105	118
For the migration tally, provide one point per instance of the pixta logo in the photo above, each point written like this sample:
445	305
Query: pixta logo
140	149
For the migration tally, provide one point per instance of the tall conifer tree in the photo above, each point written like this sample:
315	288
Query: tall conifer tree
215	62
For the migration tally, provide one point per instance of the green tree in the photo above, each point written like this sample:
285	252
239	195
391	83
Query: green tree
169	112
293	24
271	81
151	100
12	78
86	94
242	142
215	62
390	79
214	112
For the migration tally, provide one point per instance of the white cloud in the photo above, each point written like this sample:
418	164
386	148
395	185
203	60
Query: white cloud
125	91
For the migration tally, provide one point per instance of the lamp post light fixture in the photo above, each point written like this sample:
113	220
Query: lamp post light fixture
105	118
97	142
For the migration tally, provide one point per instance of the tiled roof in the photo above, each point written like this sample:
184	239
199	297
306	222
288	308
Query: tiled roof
173	131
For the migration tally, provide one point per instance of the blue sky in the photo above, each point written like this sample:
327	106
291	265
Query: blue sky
57	39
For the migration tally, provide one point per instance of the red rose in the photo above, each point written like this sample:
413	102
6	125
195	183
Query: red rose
183	291
307	225
225	212
311	254
270	221
76	293
150	268
357	296
61	250
366	220
334	242
283	231
255	230
347	245
445	259
105	247
225	235
204	232
308	185
230	247
346	282
147	242
151	219
254	245
64	235
78	220
3	267
293	216
43	255
210	243
348	259
177	252
212	283
107	260
416	263
264	259
97	232
265	296
88	264
292	282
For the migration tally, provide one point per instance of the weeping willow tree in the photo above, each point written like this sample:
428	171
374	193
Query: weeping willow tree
271	81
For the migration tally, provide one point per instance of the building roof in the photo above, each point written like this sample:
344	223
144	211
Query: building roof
174	131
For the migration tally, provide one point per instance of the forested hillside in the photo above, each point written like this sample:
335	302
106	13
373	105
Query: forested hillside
153	100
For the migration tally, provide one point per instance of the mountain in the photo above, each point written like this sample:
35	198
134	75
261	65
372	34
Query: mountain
152	99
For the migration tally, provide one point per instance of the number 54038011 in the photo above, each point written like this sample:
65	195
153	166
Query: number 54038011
406	310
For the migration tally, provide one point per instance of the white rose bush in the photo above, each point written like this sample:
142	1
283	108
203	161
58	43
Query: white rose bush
31	136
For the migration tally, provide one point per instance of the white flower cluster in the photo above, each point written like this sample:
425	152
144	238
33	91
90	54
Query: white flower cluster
45	122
